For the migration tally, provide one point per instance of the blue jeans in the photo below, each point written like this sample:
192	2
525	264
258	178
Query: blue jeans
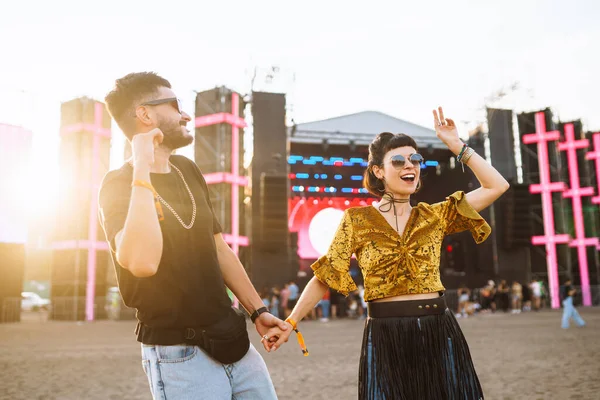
569	312
187	372
325	304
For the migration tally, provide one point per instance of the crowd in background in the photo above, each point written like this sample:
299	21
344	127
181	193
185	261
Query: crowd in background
514	298
494	297
281	300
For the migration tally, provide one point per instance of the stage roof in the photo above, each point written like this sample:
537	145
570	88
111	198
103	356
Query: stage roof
361	128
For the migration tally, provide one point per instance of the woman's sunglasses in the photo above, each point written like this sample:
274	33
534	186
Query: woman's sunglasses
398	160
175	102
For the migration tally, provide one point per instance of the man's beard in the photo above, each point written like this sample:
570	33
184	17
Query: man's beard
174	135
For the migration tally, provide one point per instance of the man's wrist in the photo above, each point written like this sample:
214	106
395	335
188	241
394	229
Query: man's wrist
141	171
257	313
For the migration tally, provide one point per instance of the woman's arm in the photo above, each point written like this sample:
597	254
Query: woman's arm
493	185
311	295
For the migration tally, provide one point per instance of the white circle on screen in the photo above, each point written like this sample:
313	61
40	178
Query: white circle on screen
322	227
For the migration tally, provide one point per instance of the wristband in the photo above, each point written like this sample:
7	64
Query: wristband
147	185
257	312
300	337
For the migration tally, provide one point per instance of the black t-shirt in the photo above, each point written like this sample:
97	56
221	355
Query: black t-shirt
188	289
565	291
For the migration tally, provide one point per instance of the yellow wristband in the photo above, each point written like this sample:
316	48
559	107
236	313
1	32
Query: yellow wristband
149	186
300	337
144	184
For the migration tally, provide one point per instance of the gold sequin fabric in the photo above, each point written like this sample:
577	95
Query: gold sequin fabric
396	264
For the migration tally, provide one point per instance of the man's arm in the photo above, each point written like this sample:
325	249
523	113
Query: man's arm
139	244
237	280
235	276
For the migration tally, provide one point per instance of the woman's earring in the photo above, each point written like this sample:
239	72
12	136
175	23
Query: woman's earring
383	183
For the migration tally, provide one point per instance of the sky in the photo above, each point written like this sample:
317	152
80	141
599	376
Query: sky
333	57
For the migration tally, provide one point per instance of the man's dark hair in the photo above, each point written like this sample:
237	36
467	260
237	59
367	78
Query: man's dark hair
129	92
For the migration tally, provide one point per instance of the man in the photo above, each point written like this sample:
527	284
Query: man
170	258
567	291
294	294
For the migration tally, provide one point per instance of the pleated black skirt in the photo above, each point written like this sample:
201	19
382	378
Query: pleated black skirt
415	350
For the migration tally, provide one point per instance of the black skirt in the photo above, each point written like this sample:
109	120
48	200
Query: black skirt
415	350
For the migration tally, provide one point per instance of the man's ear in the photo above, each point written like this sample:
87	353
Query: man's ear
144	116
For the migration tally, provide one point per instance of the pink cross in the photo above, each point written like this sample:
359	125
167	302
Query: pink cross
595	155
233	178
570	145
545	187
92	244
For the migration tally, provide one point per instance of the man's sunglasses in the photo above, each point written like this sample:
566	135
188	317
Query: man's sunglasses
398	160
175	102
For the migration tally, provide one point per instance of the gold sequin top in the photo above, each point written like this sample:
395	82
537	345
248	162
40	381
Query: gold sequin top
394	264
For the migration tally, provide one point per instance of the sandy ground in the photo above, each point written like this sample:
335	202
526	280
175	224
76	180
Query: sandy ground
525	356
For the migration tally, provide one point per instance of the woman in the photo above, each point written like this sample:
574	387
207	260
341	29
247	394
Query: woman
413	347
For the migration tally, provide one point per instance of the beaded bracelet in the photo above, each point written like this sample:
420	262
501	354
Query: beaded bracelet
465	154
458	158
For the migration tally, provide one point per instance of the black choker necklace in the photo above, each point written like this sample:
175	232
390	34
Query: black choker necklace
391	203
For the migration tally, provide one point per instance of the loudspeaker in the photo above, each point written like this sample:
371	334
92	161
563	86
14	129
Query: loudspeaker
12	270
69	279
212	144
531	175
84	160
502	145
529	154
517	218
270	261
213	150
273	221
76	158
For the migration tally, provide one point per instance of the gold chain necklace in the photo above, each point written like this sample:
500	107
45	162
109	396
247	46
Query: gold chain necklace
188	226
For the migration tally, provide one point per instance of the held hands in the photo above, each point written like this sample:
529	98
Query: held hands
143	146
275	330
277	337
445	130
